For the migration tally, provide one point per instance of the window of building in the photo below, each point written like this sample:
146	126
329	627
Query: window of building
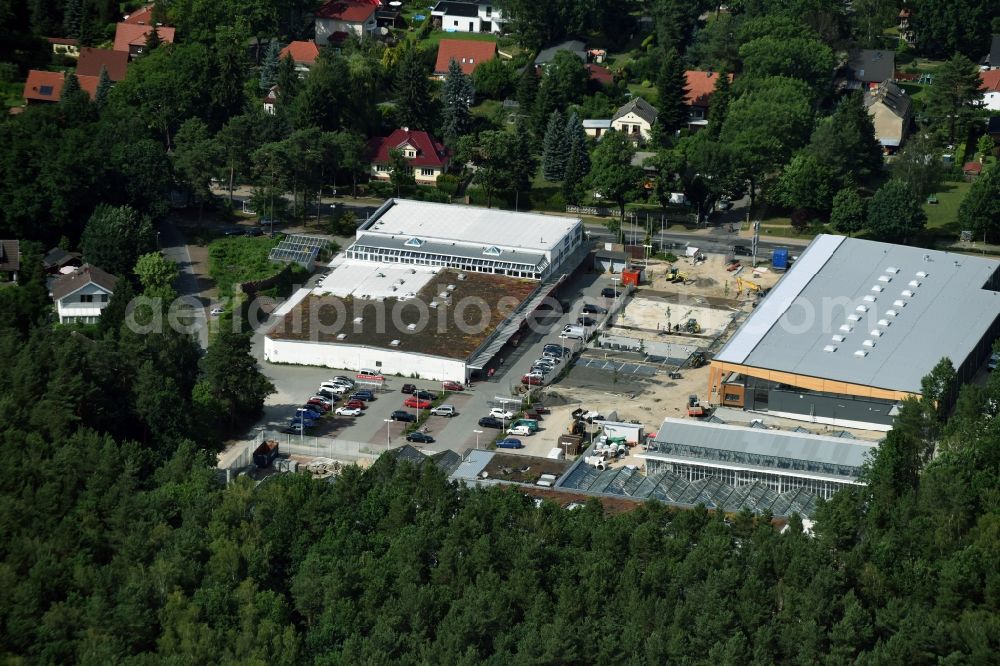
427	172
87	298
731	397
411	152
489	11
492	251
104	298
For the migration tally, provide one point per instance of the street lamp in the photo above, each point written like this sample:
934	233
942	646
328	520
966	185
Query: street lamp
478	433
388	425
614	281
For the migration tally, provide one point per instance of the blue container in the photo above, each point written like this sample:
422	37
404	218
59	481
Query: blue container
779	258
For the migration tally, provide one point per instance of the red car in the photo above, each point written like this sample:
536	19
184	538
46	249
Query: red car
356	404
451	386
532	381
417	402
319	403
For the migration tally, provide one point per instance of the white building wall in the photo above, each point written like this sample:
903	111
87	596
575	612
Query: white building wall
326	27
625	123
355	357
73	307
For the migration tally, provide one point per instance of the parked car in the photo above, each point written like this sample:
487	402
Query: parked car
742	251
490	422
586	321
253	232
217	311
451	386
408	388
425	395
609	292
420	437
400	415
499	413
356	404
522	430
550	358
540	370
590	308
554	348
336	389
539	408
302	422
366	396
532	379
322	404
444	410
417	403
342	378
309	411
348	411
510	443
326	400
293	428
328	394
550	362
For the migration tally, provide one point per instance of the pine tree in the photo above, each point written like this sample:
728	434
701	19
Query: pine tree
71	85
671	84
456	96
288	81
104	86
153	41
527	89
555	149
73	17
269	68
524	162
412	91
578	160
718	104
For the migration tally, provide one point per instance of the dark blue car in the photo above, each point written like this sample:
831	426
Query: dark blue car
365	395
510	443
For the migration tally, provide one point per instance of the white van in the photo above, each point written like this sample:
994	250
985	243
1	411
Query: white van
369	372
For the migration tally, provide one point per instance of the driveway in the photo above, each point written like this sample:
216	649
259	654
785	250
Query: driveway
192	279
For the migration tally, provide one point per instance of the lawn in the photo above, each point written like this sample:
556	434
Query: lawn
240	259
944	214
433	39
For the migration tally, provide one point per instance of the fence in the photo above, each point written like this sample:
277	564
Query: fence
326	447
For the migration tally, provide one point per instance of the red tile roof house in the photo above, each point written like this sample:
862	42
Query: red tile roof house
141	16
304	55
336	19
467	53
47	86
428	156
700	86
91	61
131	38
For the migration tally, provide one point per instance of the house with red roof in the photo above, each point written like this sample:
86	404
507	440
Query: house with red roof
44	86
304	54
131	37
427	156
599	74
467	53
64	46
92	60
700	86
337	19
141	16
271	101
991	89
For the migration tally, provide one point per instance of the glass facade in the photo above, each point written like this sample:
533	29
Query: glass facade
778	463
779	483
480	265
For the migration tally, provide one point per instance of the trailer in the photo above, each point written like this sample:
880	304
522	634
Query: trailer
265	454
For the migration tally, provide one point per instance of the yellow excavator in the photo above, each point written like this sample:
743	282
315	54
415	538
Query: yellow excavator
742	284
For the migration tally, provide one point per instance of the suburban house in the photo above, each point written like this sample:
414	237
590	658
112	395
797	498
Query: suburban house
991	89
131	37
574	46
596	127
635	119
10	260
992	59
60	262
906	33
599	74
64	46
466	16
141	16
867	68
92	60
271	101
467	53
337	19
80	296
890	109
47	86
303	54
427	156
699	89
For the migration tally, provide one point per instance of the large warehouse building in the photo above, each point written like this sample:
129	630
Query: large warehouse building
427	290
852	329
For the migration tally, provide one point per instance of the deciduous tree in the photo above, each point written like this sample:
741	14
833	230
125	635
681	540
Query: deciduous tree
611	170
979	211
848	214
953	97
114	238
894	213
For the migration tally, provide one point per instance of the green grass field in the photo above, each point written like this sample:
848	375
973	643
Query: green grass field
944	214
240	259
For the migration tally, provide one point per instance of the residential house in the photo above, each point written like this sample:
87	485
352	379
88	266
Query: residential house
391	19
599	74
141	16
866	68
596	127
131	37
64	46
10	260
92	60
468	53
972	170
991	89
271	101
635	119
890	110
44	86
992	59
303	54
82	295
547	55
427	156
699	89
467	16
337	19
906	33
60	262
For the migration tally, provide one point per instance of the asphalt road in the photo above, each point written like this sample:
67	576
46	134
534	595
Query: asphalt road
174	249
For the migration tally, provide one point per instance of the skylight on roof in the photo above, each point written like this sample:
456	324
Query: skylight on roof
492	251
414	242
914	283
877	288
869	298
892	269
862	308
838	338
830	348
854	317
861	353
44	90
921	274
884	278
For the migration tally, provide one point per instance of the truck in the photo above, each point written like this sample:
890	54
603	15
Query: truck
265	454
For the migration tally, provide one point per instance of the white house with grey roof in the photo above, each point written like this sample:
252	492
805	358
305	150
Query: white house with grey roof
635	119
853	327
467	16
82	295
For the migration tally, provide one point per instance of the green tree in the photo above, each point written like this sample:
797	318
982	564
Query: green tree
351	156
919	164
153	41
196	160
611	171
718	104
527	89
71	86
73	18
114	238
456	97
493	79
495	155
233	378
953	98
985	147
414	105
104	86
269	67
555	148
870	20
943	28
577	161
895	214
845	142
807	60
671	87
288	82
807	185
156	275
848	214
979	211
228	97
939	389
401	173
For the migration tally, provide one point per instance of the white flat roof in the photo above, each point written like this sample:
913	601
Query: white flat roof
366	279
469	224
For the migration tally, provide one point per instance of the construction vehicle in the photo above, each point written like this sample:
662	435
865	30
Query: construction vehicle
692	326
696	360
694	407
742	284
676	276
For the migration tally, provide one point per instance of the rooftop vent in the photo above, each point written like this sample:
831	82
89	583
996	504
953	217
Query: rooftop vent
341	336
891	313
868	343
444	295
861	308
411	327
461	276
451	287
914	283
838	338
358	320
907	293
884	278
892	269
854	317
869	298
899	303
861	353
434	305
846	328
921	274
883	322
830	348
875	333
394	343
877	288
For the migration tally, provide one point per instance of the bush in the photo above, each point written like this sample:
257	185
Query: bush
381	189
430	194
448	184
8	72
